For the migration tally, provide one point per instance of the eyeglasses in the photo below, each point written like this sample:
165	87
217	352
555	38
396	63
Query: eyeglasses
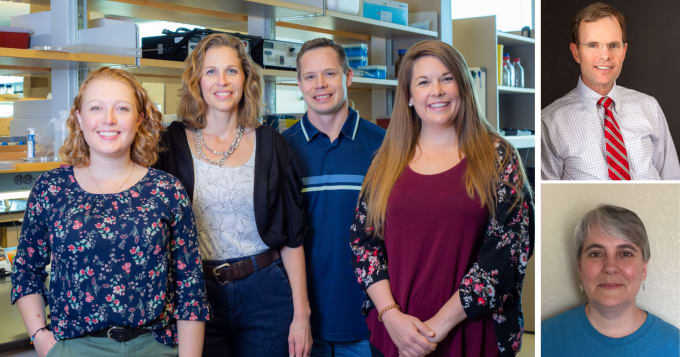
597	46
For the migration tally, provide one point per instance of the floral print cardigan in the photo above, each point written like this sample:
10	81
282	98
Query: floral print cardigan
126	259
493	284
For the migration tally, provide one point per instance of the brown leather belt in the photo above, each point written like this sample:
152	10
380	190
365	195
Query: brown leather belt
224	273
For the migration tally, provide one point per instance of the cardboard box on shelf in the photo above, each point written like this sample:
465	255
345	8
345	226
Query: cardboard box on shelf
9	237
426	20
4	126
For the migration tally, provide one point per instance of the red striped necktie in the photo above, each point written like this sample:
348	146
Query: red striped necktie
617	156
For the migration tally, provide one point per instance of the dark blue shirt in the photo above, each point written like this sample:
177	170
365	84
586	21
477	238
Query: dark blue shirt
332	175
126	259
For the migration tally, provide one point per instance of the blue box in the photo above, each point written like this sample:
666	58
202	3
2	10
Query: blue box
356	49
387	10
356	62
373	71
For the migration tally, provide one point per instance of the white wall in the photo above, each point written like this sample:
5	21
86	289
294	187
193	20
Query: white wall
658	205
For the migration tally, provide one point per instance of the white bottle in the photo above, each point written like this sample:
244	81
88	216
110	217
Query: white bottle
30	143
519	73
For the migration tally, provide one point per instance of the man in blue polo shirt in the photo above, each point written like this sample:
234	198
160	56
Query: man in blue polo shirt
335	147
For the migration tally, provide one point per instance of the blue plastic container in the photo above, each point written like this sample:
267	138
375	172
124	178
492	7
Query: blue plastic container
356	62
356	49
373	71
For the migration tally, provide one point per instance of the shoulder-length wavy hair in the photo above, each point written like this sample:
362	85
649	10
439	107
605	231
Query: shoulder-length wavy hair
144	148
192	106
477	140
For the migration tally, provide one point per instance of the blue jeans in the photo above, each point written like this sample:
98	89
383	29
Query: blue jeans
250	316
323	348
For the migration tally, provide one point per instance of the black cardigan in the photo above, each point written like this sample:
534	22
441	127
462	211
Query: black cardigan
278	201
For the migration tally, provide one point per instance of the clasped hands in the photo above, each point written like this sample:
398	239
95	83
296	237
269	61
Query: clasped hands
415	338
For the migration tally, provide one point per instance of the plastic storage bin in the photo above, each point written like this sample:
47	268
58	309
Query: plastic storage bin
356	62
356	49
373	71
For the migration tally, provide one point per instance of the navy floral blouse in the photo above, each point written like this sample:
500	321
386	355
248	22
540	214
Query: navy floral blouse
493	284
126	259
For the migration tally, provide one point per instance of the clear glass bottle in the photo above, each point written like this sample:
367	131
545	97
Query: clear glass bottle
519	73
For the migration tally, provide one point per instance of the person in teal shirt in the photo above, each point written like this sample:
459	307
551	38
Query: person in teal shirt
612	255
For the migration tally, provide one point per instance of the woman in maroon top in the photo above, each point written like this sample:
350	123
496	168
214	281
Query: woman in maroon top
446	199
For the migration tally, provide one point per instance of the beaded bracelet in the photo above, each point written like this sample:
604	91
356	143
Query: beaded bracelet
387	308
36	332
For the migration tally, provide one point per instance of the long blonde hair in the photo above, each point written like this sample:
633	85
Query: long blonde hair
477	140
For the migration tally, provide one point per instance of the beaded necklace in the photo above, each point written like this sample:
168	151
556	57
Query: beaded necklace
200	144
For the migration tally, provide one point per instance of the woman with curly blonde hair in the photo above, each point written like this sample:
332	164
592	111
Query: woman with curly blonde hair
144	146
120	237
244	184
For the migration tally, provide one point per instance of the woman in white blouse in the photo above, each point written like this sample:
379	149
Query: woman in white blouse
245	189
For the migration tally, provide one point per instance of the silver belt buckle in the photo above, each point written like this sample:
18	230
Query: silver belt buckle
217	277
108	332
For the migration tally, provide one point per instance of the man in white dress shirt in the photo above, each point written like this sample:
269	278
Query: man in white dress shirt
576	142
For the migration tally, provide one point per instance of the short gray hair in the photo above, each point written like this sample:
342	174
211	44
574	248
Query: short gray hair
616	221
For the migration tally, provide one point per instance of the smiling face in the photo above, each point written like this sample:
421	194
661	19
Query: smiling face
322	82
434	92
109	118
600	53
611	270
222	79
